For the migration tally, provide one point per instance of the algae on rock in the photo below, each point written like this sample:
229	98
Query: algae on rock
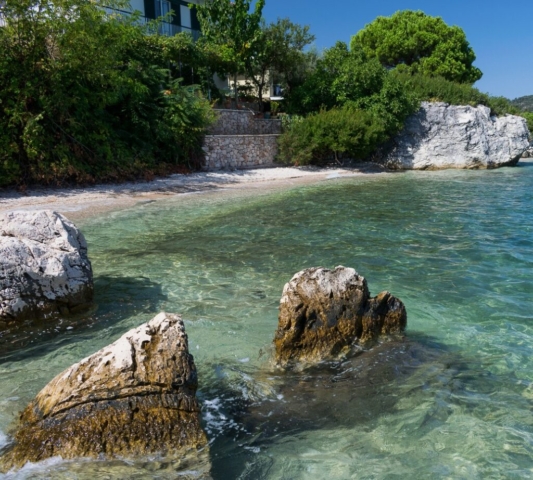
134	397
325	312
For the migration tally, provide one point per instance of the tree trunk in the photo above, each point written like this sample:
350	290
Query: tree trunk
260	93
236	89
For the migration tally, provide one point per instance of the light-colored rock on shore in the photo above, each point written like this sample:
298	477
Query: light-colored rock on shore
135	397
44	268
326	312
444	136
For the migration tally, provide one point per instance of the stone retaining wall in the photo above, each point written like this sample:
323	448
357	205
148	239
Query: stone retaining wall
239	151
243	122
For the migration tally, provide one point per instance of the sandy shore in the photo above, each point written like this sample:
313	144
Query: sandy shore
80	203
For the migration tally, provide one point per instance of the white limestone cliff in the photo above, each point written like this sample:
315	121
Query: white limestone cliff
443	136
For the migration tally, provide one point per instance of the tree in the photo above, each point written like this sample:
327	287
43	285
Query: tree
292	64
419	43
234	28
277	52
86	95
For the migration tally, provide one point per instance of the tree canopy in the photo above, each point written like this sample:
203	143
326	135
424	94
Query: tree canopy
234	27
277	53
419	43
88	96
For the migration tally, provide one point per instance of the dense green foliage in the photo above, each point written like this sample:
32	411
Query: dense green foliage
330	135
234	28
85	96
525	104
419	43
342	76
349	94
438	89
277	53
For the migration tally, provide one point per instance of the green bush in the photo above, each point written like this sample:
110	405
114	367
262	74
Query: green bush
88	97
330	135
438	89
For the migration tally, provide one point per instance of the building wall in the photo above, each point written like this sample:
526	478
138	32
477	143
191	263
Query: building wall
137	5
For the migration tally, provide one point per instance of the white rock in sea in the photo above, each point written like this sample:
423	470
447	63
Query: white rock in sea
442	136
135	397
44	268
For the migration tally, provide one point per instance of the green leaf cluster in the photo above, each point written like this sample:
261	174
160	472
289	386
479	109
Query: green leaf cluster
352	95
328	135
277	53
234	28
438	89
87	96
419	43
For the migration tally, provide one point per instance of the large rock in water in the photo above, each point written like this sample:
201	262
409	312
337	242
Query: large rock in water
134	397
44	268
445	136
324	312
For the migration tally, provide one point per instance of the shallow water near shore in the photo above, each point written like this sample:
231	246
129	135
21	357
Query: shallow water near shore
455	401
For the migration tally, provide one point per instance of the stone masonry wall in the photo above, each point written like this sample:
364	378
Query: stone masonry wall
243	122
239	151
239	140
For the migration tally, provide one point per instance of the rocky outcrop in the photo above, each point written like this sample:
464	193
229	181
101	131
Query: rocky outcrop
326	312
134	397
528	153
444	136
44	268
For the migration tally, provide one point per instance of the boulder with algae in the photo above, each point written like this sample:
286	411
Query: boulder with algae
325	312
135	397
44	268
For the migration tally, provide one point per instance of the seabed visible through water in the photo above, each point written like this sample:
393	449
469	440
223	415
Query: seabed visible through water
453	401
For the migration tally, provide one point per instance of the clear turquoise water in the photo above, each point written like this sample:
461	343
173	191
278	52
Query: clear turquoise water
455	401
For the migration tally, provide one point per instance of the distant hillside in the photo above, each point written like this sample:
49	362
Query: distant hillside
524	103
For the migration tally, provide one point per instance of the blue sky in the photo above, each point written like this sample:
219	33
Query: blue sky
500	32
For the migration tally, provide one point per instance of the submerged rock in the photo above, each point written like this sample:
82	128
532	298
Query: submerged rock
448	136
44	268
325	312
134	397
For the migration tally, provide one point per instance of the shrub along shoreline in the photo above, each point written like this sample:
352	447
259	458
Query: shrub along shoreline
91	97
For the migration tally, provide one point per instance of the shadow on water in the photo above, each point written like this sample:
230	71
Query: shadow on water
248	412
115	299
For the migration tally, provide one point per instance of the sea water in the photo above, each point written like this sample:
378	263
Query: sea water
455	400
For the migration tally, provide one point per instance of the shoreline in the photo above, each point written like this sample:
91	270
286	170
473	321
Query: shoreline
86	202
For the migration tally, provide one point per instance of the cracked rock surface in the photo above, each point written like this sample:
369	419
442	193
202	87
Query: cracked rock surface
442	136
44	268
134	397
325	312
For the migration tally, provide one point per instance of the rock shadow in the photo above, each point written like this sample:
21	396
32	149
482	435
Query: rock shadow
247	411
115	298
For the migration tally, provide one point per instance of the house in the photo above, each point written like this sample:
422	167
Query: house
183	18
